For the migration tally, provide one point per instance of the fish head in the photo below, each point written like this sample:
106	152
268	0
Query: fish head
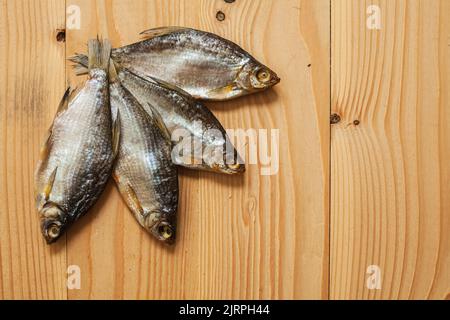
219	154
162	226
229	168
256	77
52	222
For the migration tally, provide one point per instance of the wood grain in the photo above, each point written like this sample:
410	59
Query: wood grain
32	83
250	237
239	237
390	203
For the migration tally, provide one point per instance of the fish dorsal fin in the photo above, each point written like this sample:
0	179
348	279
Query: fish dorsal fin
116	133
157	118
170	86
68	96
64	104
157	32
49	186
46	145
158	82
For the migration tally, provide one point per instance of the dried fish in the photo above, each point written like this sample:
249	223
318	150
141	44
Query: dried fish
77	157
205	144
144	172
203	64
202	142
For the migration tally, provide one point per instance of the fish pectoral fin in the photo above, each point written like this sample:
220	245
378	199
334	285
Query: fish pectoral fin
160	122
116	134
219	93
129	195
68	96
62	107
49	186
132	196
157	32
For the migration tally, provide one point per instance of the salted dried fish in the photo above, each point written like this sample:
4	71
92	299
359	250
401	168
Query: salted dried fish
144	172
77	157
201	63
202	141
205	144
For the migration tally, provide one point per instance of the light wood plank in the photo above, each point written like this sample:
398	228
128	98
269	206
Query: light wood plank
253	236
239	237
32	82
390	203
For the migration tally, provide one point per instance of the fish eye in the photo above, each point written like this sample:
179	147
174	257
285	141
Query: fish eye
165	231
263	75
53	231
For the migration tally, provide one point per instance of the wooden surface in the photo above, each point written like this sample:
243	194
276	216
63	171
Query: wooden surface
32	79
346	196
390	182
242	236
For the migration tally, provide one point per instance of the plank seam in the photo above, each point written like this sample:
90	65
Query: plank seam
329	157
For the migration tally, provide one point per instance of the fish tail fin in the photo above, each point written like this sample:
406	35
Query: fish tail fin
99	54
81	63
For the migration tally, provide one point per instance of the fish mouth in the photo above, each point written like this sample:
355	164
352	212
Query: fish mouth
164	231
275	80
235	168
234	164
229	168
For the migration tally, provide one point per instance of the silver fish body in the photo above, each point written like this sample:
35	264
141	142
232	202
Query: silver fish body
77	158
144	172
203	64
201	141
